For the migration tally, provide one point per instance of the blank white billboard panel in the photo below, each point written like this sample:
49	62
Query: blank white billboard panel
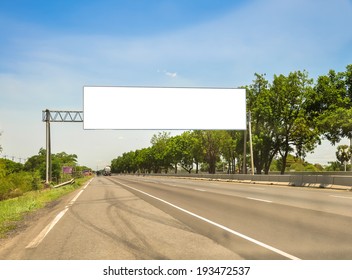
164	108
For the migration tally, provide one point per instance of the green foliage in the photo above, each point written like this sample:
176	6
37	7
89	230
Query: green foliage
36	163
295	164
260	105
280	118
8	166
212	141
161	152
232	149
343	153
334	166
58	161
187	150
14	181
2	169
180	151
294	128
333	105
289	115
15	184
17	179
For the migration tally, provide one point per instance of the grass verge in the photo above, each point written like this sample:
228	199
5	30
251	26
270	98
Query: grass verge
13	210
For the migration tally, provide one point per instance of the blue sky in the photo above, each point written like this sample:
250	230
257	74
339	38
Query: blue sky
49	50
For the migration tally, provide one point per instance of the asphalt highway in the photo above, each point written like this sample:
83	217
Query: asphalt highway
142	217
293	223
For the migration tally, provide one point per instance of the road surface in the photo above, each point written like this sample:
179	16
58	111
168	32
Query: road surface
142	217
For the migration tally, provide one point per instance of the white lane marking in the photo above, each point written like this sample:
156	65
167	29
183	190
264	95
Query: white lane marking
278	251
172	185
75	198
340	196
256	188
257	199
200	190
36	241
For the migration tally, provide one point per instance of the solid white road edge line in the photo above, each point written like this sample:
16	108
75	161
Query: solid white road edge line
36	241
278	251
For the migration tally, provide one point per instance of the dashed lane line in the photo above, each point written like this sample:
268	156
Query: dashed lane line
340	196
258	199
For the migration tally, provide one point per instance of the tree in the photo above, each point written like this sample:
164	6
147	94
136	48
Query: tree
144	160
116	165
174	150
187	145
197	149
211	141
343	154
66	159
260	104
294	128
127	163
160	151
333	105
37	163
180	151
228	149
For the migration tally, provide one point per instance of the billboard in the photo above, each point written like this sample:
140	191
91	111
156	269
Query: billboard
164	108
67	169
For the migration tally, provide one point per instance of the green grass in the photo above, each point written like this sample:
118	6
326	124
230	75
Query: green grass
15	209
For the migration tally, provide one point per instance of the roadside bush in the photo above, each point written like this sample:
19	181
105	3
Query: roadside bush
16	184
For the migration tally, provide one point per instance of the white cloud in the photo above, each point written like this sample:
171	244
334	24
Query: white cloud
171	74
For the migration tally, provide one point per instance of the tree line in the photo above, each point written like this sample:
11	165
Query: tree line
289	115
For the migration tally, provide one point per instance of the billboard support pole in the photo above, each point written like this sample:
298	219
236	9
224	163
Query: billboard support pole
56	116
48	149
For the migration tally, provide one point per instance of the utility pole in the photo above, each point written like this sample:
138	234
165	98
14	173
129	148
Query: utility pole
244	167
250	141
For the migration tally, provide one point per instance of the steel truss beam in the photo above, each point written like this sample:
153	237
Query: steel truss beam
62	116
